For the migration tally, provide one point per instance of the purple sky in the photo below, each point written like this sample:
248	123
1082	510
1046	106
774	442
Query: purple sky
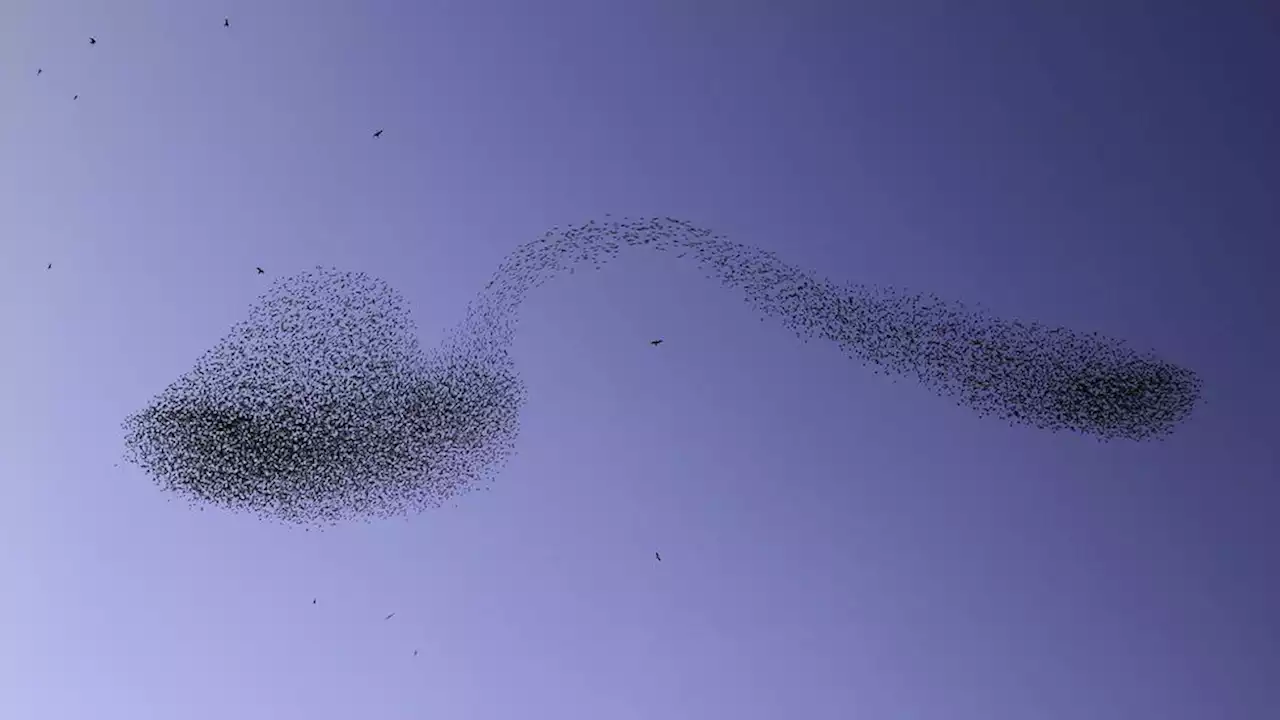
835	545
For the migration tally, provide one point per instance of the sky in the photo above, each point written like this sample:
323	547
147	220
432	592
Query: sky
834	544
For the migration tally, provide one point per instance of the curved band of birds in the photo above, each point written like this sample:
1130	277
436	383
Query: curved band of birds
321	407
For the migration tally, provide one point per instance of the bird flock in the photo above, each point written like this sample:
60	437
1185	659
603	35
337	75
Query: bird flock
321	407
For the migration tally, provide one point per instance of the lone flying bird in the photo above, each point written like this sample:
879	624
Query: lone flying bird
226	22
39	70
658	556
313	601
50	267
389	616
75	97
93	41
655	343
378	134
260	270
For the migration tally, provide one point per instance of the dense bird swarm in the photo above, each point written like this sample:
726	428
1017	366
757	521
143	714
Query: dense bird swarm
321	407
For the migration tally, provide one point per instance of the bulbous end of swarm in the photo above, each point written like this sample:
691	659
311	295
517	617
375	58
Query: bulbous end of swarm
320	408
1139	399
350	452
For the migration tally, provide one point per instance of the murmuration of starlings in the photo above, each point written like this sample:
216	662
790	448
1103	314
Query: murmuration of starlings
322	408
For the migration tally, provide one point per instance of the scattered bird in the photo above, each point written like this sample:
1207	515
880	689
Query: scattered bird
50	267
260	270
389	616
378	134
93	41
313	601
655	343
226	22
39	70
415	653
658	556
75	97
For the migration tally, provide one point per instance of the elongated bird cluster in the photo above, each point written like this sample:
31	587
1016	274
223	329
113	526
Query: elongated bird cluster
321	407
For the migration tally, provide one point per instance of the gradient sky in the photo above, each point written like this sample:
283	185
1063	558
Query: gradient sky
835	545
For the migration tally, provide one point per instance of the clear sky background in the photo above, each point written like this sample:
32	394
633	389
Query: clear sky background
835	545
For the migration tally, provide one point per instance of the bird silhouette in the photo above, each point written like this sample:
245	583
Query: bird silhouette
378	134
415	653
93	41
39	70
75	97
50	267
389	616
657	555
655	343
260	270
313	601
226	22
